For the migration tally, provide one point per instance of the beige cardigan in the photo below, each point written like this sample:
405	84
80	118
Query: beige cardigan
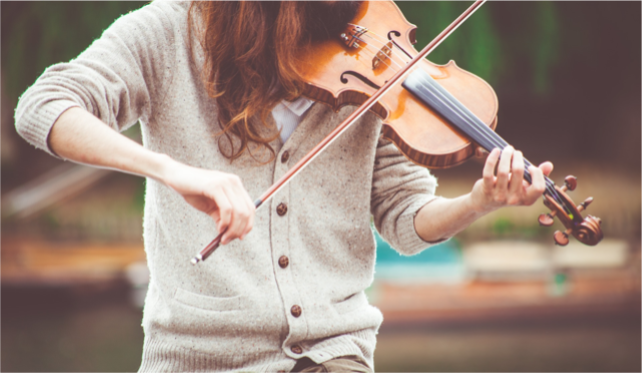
237	310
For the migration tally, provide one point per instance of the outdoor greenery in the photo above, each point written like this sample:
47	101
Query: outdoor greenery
40	33
481	47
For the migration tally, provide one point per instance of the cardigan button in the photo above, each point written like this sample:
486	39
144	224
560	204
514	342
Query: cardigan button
285	156
281	209
283	261
296	349
296	311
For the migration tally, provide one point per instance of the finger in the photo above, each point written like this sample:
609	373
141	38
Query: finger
546	168
240	214
516	182
251	218
488	169
223	212
250	206
503	172
538	186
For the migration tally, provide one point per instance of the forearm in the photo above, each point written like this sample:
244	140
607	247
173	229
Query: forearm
79	136
444	217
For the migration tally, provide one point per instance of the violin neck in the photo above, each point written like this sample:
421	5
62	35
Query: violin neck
432	94
442	102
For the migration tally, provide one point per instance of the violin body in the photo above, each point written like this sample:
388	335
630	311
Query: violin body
437	116
341	75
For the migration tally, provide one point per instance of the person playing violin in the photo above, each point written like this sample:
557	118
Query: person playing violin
223	116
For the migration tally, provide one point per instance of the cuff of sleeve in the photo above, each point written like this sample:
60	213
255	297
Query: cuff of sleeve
410	242
37	126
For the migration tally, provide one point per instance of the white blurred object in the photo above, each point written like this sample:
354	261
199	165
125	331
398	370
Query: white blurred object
609	253
62	182
506	256
138	275
422	273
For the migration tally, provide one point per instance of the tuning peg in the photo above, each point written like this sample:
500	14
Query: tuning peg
546	220
585	204
561	238
570	183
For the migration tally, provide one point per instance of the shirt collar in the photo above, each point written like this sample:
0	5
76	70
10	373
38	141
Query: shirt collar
299	105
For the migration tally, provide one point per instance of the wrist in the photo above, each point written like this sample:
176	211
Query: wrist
478	205
165	167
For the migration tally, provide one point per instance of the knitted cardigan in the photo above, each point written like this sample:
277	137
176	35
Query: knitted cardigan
236	311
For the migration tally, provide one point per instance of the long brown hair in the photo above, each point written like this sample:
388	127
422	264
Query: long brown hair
251	53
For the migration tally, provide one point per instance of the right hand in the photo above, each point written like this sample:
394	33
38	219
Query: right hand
220	195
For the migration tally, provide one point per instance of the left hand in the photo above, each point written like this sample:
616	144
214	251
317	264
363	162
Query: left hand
508	188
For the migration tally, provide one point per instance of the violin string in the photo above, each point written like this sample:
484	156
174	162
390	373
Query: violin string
376	55
360	53
369	33
488	135
495	140
483	131
389	40
394	52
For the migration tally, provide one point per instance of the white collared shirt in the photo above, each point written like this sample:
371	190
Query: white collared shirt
288	115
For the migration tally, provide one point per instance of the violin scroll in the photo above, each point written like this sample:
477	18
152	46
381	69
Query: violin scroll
586	230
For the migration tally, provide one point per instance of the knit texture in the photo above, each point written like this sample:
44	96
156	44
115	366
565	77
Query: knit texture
233	311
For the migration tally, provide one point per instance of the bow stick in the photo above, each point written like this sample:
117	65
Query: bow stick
350	120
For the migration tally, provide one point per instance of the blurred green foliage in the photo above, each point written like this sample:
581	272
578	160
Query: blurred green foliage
40	33
481	45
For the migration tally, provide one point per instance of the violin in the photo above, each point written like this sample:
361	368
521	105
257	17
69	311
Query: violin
437	115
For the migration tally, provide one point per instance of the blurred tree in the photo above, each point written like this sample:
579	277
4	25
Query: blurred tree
483	45
38	34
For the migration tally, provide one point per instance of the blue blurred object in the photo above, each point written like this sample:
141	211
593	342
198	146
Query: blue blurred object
441	263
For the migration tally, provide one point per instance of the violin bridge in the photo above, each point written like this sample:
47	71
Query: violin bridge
383	56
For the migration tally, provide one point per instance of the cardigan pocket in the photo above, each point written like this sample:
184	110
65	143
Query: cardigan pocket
203	302
351	303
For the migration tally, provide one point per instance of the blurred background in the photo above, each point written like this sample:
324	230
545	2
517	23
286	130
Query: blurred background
498	297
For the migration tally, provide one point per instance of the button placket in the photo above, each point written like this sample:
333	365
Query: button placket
283	266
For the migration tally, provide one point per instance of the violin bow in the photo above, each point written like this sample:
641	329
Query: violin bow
350	120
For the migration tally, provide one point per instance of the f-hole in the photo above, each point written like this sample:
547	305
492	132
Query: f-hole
397	34
359	76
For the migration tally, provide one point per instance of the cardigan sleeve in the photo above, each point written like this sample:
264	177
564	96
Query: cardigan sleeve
399	189
117	78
